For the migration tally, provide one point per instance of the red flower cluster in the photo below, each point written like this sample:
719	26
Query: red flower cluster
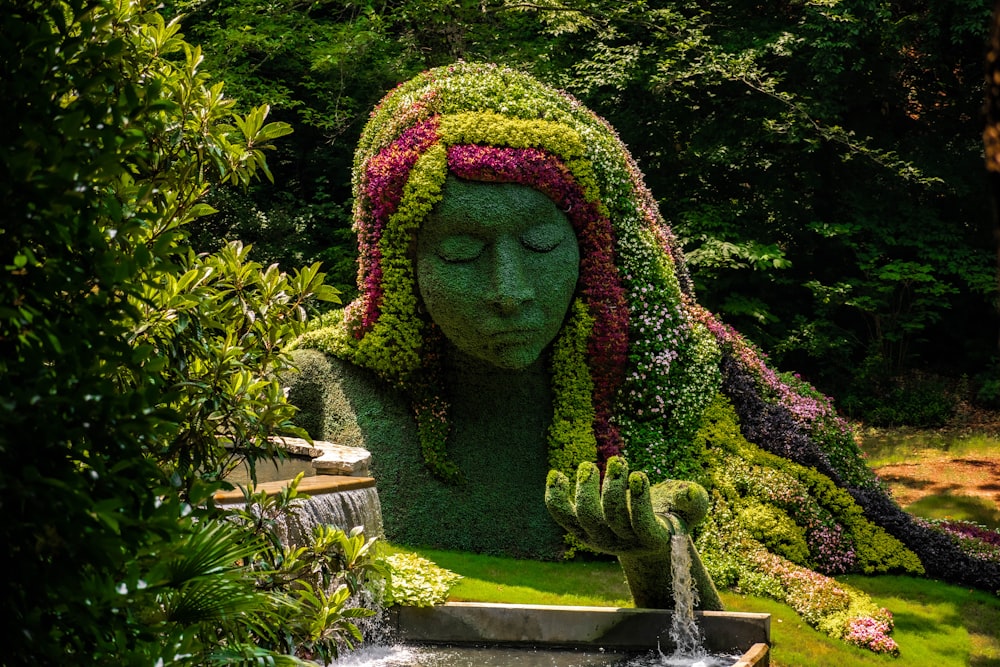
382	185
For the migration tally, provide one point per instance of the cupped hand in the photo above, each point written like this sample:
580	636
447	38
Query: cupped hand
620	516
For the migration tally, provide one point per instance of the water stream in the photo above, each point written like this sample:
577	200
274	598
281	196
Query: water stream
684	630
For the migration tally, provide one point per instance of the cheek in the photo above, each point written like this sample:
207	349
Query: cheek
448	291
555	276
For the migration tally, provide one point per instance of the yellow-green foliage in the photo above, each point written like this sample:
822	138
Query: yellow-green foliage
492	129
720	429
395	341
571	436
774	529
417	582
880	552
749	477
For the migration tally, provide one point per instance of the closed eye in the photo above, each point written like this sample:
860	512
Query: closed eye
460	248
544	238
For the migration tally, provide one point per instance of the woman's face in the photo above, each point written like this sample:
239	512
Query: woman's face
497	265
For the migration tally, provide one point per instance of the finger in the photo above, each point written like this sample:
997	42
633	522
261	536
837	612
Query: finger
650	531
588	505
557	500
614	499
687	500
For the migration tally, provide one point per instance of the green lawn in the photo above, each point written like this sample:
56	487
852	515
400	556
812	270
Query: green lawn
953	471
936	624
904	445
957	508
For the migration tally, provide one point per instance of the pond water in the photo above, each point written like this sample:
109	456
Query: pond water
467	656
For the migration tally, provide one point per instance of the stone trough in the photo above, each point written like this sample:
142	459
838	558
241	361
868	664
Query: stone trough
620	630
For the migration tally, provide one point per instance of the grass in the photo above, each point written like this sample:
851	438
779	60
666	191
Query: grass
936	624
941	474
495	579
957	508
904	445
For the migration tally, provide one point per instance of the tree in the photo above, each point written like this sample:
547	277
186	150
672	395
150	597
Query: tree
322	66
819	159
130	362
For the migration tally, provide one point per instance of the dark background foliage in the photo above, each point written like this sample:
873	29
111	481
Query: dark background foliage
821	161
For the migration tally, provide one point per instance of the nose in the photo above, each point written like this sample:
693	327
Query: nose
512	286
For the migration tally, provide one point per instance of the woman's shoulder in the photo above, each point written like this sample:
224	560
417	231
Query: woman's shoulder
336	398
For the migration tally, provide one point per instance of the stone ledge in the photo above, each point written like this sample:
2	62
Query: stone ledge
613	629
298	446
342	460
309	485
328	458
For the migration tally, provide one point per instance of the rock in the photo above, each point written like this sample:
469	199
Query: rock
342	460
298	447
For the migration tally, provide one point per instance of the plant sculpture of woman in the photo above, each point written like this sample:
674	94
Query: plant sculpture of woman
523	308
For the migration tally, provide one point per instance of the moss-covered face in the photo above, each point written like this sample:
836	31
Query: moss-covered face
497	265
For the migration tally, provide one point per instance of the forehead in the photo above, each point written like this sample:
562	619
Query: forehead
482	205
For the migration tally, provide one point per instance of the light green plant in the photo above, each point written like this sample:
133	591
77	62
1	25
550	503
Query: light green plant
416	581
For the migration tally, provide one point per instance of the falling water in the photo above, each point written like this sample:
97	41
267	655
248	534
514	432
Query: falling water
689	649
343	509
684	630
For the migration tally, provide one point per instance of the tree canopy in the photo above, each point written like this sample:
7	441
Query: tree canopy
821	160
134	368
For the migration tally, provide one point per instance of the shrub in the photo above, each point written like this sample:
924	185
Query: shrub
775	530
838	536
972	539
417	582
914	400
315	591
873	634
130	363
834	608
937	552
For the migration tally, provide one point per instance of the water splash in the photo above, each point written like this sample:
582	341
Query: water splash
343	509
689	649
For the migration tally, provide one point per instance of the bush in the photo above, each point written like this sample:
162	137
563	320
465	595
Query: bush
313	592
988	386
775	530
417	582
130	363
916	400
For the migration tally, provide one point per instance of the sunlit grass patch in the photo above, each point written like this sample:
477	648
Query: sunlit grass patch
956	507
598	583
901	445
